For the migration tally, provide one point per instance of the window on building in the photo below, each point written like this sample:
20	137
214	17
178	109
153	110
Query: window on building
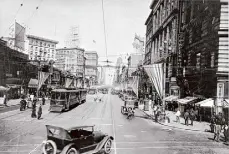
40	43
198	61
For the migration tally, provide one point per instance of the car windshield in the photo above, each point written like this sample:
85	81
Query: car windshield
57	132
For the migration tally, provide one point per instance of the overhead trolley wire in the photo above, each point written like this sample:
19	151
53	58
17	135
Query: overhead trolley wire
15	16
104	28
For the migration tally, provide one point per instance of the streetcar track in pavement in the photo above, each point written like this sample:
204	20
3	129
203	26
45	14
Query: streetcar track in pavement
21	125
37	125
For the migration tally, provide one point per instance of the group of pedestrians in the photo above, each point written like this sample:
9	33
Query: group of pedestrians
188	115
218	125
33	99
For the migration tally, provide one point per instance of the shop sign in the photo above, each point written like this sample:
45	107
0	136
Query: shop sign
9	75
220	93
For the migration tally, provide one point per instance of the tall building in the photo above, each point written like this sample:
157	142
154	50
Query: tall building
203	53
41	48
70	59
161	40
118	71
91	66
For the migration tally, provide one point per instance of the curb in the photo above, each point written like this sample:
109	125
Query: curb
195	130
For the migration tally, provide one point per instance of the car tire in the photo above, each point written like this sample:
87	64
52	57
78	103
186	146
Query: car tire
107	146
53	144
72	150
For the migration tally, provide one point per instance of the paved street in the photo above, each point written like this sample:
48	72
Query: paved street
22	134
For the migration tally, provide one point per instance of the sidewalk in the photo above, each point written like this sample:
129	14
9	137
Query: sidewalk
14	102
11	102
197	126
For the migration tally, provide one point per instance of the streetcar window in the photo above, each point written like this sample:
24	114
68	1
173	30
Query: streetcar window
62	95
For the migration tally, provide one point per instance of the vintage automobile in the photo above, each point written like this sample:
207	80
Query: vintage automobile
76	140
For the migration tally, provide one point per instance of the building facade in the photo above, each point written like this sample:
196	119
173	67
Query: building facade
70	59
161	40
203	49
41	48
91	67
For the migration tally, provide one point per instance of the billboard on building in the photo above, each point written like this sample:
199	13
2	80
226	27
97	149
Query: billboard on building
19	36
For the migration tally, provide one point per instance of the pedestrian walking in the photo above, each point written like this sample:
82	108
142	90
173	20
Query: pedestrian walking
192	116
217	130
43	100
186	116
33	115
39	113
213	122
178	116
226	133
217	127
5	99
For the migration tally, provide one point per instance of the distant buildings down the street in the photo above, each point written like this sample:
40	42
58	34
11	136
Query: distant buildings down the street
91	67
70	59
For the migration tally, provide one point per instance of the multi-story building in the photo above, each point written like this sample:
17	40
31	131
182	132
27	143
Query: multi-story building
118	71
161	40
203	52
91	66
42	48
70	59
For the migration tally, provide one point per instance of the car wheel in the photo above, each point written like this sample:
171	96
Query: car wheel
49	147
72	151
107	146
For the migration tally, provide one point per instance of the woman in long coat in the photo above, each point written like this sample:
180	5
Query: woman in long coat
33	115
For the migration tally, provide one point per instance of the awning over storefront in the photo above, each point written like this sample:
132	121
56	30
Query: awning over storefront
206	103
33	83
186	100
13	86
226	103
170	98
3	88
156	75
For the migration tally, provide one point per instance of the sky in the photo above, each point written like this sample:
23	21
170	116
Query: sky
54	18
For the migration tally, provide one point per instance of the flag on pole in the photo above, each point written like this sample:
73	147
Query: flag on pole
42	78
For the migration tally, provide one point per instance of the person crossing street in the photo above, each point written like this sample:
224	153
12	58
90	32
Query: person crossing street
39	113
33	115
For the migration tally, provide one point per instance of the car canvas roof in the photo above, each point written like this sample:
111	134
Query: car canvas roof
69	128
65	90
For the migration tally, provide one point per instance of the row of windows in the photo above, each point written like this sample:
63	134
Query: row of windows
41	49
41	43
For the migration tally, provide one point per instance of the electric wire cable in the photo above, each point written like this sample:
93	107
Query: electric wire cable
104	28
15	16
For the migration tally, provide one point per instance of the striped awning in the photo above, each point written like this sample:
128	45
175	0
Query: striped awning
226	103
186	100
170	98
33	83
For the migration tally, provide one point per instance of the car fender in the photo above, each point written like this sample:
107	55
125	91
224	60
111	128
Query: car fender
64	151
101	143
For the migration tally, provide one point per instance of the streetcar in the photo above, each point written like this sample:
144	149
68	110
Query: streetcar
64	99
129	105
